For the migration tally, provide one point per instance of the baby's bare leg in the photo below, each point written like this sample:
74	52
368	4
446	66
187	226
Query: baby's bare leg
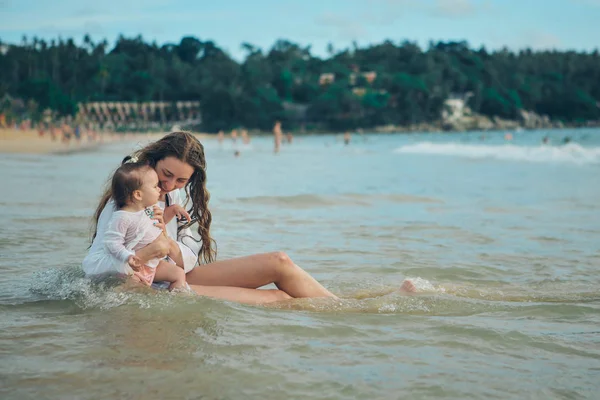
166	271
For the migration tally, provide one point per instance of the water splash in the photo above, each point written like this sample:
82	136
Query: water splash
70	284
423	285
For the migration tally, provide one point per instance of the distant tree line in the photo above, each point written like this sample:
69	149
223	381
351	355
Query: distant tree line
364	87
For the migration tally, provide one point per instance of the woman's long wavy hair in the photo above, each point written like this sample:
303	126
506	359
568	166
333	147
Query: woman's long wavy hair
186	148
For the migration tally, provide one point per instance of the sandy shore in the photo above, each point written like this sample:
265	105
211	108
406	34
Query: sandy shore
29	141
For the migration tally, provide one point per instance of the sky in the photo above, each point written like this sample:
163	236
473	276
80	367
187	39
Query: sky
516	24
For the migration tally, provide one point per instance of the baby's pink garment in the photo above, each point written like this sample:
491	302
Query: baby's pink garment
145	275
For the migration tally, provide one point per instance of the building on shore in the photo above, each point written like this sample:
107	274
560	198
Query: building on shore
133	116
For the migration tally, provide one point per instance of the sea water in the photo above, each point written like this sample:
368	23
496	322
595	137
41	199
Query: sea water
502	239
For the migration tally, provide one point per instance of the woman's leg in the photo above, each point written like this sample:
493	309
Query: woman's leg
241	295
258	270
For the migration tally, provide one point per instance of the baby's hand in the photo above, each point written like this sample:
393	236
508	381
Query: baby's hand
135	263
175	211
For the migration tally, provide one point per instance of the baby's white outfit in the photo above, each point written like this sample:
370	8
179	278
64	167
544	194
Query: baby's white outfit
130	231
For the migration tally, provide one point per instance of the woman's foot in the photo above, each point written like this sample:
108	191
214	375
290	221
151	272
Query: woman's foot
408	286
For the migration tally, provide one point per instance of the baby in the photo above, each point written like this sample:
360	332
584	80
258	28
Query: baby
134	189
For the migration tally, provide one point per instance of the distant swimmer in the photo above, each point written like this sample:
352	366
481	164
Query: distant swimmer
289	137
245	136
566	140
277	134
234	135
236	153
508	136
220	136
347	138
545	140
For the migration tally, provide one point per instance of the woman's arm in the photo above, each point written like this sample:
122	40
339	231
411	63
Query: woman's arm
158	249
183	248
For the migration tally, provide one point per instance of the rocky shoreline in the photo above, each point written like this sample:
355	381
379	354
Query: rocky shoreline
527	120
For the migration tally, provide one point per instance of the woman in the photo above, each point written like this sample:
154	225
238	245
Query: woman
179	161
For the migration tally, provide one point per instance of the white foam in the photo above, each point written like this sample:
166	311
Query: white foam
571	153
69	283
423	285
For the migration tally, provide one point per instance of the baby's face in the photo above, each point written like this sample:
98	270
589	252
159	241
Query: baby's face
150	189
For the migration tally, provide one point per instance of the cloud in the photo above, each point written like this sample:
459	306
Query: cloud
532	39
86	12
343	28
92	21
77	15
93	28
541	40
387	12
453	8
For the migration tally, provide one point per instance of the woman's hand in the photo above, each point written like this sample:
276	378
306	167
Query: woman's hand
135	263
159	217
175	211
175	253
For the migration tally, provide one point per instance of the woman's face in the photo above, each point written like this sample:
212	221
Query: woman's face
172	174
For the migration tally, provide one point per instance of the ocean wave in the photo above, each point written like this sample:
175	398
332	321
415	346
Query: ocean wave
357	199
571	153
